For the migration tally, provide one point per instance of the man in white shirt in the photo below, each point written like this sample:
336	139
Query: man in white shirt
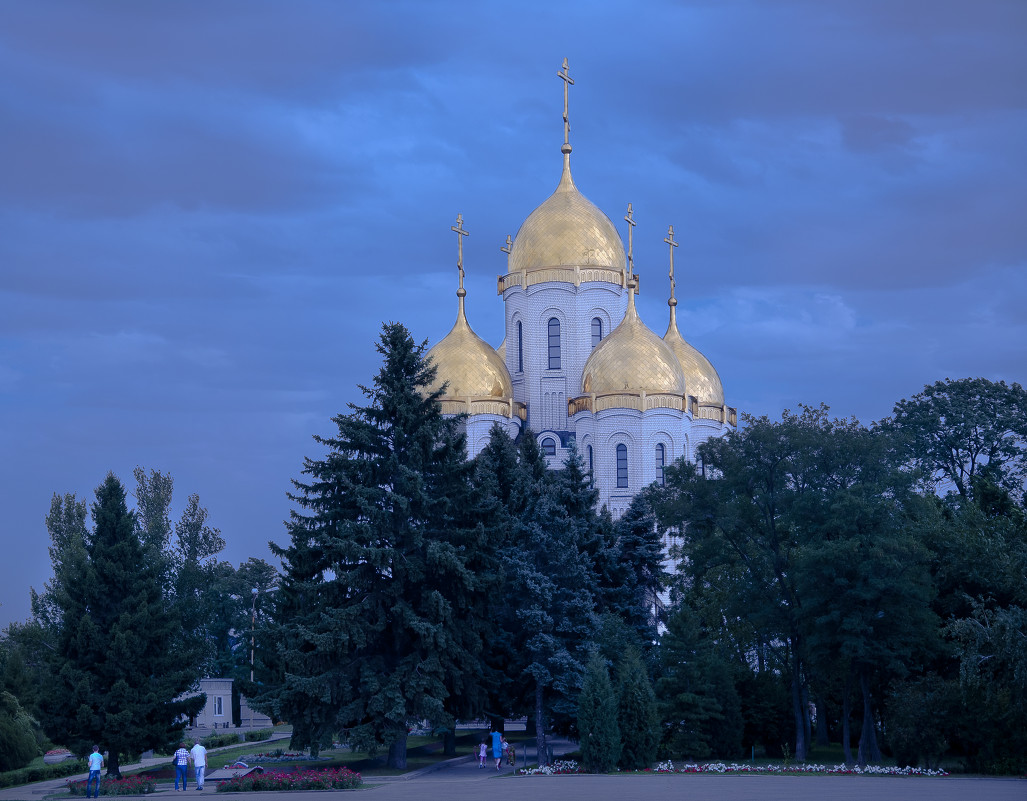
198	754
95	766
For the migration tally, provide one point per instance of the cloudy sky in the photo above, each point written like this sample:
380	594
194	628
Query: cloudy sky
207	209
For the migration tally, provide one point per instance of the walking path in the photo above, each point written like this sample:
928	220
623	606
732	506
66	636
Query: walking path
461	779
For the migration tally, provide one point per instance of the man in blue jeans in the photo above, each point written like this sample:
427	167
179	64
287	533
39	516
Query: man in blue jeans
95	765
181	765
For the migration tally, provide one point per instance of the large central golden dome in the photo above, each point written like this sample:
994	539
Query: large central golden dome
567	230
632	359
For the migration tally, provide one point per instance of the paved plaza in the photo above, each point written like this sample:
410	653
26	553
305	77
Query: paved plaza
463	780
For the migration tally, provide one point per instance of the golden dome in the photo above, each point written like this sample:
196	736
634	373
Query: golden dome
633	359
701	378
567	230
468	364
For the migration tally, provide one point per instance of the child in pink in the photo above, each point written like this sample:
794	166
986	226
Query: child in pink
482	753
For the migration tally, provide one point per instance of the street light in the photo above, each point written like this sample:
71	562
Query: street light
253	628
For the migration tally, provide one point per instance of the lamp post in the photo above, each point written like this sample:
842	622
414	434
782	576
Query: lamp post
253	628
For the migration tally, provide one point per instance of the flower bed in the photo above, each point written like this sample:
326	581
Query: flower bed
835	770
559	768
566	766
55	755
331	779
130	785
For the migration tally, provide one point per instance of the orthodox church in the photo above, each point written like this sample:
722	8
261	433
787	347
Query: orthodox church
578	365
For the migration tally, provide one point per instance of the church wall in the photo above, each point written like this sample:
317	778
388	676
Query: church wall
546	391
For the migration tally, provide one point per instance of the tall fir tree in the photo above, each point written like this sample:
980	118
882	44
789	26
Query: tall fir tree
116	674
374	629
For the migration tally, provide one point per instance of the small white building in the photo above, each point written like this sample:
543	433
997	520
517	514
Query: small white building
217	711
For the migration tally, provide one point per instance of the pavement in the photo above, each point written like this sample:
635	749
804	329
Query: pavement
461	779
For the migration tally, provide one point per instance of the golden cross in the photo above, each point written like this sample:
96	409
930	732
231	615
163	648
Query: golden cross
507	248
631	257
669	239
568	82
459	228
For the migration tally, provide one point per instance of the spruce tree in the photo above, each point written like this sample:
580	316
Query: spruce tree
374	627
116	672
597	718
550	590
636	712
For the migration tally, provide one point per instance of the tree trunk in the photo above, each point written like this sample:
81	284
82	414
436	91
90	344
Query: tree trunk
823	737
398	750
806	723
868	748
801	726
449	742
540	729
846	715
113	766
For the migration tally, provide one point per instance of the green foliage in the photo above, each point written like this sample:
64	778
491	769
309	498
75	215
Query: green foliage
18	744
217	740
114	673
967	435
698	704
259	735
597	719
373	627
921	712
636	712
43	773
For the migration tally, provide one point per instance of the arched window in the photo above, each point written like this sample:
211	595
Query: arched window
622	466
590	466
661	461
520	347
597	331
549	447
554	344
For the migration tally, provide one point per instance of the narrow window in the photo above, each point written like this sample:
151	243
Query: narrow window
661	460
548	447
219	706
597	331
554	344
520	347
590	467
622	466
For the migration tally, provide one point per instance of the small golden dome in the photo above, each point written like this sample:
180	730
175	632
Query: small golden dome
701	378
468	364
632	358
567	230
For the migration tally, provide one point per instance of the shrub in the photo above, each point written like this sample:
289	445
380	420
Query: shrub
38	774
258	735
218	740
18	744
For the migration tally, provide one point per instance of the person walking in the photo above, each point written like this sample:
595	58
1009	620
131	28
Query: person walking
181	765
497	748
483	752
95	766
198	754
